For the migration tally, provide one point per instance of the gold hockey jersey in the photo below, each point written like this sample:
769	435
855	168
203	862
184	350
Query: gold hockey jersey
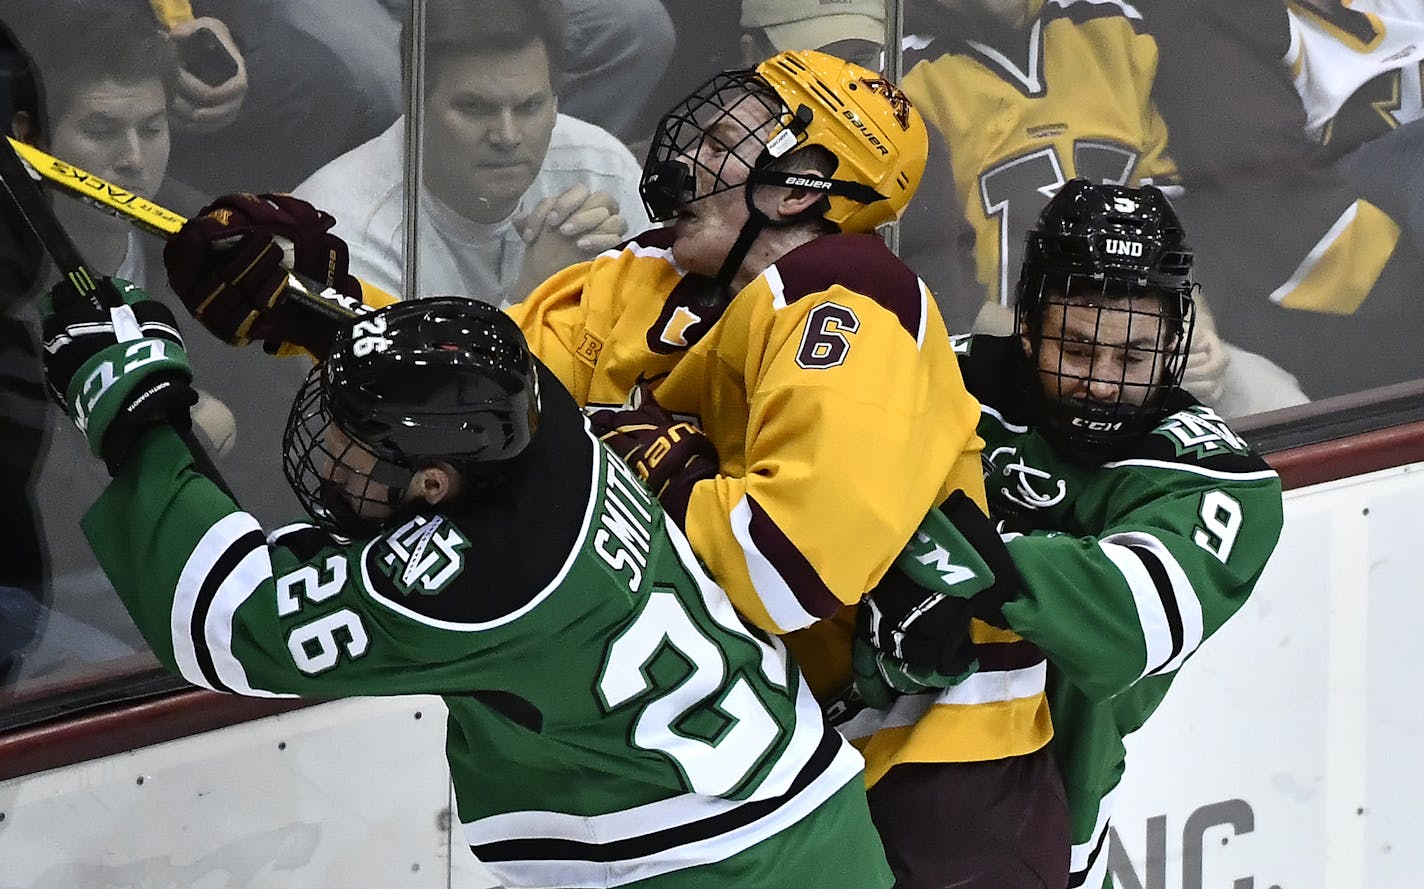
1070	97
833	397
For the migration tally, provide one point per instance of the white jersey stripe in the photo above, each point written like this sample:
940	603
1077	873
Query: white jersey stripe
686	809
1080	858
1253	476
643	250
776	594
254	570
1151	617
1182	590
981	688
200	563
1308	264
1164	653
650	818
274	537
776	286
925	299
1011	427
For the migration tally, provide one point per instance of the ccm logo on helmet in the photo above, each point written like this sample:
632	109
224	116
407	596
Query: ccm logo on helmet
864	131
1122	248
1097	425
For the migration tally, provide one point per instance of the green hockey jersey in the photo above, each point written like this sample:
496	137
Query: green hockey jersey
611	720
1127	568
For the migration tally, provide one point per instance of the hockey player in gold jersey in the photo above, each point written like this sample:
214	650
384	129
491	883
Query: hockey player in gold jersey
827	415
787	388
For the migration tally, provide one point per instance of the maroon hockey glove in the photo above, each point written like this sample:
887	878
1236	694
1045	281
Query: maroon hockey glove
226	264
669	455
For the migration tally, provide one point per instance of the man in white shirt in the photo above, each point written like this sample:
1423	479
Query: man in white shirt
512	190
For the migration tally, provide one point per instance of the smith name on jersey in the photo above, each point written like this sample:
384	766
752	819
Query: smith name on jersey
611	720
1127	567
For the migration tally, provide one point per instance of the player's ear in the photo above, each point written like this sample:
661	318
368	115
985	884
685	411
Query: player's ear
792	202
435	484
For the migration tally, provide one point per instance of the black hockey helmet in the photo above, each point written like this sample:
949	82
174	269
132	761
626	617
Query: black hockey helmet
448	379
1119	252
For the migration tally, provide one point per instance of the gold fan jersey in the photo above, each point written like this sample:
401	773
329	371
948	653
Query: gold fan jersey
830	390
1070	97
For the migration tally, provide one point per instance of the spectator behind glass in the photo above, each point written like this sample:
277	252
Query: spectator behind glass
513	191
260	103
102	104
1297	130
1030	94
615	55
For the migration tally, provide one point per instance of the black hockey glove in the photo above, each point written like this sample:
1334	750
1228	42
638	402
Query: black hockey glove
954	569
116	372
668	454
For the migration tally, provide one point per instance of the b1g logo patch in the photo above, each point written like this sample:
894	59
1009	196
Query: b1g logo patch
1202	431
423	556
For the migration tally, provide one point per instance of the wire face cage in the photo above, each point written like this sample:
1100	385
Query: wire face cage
712	140
1106	354
345	488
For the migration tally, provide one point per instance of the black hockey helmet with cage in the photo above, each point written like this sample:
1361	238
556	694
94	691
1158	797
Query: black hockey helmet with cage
444	379
1109	253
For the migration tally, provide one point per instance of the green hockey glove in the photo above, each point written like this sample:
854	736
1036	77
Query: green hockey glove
116	372
882	677
954	569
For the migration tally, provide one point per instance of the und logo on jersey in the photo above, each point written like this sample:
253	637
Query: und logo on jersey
1200	430
423	556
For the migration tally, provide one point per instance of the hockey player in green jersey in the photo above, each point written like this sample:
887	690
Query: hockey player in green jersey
1136	521
611	721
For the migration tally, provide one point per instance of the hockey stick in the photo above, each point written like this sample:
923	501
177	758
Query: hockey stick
41	220
148	216
27	198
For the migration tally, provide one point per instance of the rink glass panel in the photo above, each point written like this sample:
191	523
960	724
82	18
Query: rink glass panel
325	78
